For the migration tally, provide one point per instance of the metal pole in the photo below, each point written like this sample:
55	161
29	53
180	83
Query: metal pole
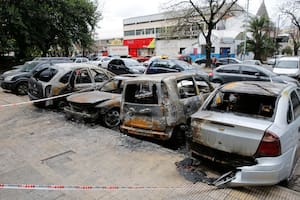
246	24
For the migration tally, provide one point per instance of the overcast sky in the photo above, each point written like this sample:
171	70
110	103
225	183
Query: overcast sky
114	11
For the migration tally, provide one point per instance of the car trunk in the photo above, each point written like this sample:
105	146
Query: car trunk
142	108
228	132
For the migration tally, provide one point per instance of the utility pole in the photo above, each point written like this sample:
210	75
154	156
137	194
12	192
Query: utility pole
246	24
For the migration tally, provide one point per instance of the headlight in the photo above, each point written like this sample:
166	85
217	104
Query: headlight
8	78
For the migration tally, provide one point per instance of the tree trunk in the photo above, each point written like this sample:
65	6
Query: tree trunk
208	48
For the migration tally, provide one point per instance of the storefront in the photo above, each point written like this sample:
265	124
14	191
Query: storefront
140	47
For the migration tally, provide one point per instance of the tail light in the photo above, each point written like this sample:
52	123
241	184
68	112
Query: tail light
210	74
269	146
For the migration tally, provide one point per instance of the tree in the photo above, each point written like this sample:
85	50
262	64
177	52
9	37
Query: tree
39	25
287	50
205	14
261	44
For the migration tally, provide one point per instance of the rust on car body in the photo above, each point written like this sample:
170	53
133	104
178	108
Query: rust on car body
159	105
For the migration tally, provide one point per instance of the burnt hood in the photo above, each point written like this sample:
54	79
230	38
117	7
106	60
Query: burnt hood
92	97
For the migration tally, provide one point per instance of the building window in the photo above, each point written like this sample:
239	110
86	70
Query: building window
128	33
149	31
140	32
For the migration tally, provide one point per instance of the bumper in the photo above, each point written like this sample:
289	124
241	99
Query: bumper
81	115
8	85
144	132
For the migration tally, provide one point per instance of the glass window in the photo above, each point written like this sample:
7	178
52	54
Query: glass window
249	71
289	114
149	31
65	78
295	103
186	88
82	76
129	33
46	74
293	64
141	93
229	69
98	76
139	32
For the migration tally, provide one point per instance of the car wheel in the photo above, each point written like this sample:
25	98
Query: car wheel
111	118
178	138
61	104
22	88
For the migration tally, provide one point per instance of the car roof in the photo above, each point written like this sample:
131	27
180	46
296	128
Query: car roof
255	87
290	58
162	76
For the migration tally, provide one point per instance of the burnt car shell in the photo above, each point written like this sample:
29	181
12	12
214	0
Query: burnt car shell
156	105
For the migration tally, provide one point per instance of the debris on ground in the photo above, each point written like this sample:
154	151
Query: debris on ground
192	171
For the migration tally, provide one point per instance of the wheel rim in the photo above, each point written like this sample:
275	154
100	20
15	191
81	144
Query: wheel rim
22	89
112	118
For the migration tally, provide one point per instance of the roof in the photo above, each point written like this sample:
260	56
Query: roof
255	87
262	11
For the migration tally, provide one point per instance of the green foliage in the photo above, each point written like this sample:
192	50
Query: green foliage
287	50
261	44
37	25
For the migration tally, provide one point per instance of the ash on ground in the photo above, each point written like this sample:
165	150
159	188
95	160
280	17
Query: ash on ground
192	171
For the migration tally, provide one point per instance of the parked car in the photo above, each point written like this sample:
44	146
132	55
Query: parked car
289	66
252	127
16	80
160	105
125	66
63	78
185	58
168	65
101	61
252	62
142	59
225	61
200	61
101	105
67	59
245	72
81	60
273	59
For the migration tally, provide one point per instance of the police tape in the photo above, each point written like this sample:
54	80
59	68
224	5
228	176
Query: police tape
46	99
81	187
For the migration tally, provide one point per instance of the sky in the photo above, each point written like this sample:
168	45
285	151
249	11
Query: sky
114	11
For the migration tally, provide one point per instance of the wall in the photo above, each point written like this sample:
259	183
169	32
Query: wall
172	47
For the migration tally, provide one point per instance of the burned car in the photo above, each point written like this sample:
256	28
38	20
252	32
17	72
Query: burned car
64	78
160	105
252	127
102	104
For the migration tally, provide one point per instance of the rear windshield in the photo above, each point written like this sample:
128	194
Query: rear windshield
45	74
290	64
252	105
143	93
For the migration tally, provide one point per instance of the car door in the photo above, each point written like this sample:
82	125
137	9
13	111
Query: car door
230	73
292	134
113	66
189	97
249	74
82	79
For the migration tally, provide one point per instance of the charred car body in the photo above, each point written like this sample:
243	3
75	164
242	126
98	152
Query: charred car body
253	127
64	78
160	105
102	104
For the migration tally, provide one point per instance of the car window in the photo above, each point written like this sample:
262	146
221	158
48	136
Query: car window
65	78
98	76
231	61
293	64
243	104
113	86
295	104
289	113
229	69
249	71
46	74
141	93
82	76
186	88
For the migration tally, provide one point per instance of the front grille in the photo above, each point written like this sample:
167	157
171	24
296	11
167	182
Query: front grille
223	157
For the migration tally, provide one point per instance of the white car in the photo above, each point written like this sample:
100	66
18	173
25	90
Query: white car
101	61
289	66
81	60
253	127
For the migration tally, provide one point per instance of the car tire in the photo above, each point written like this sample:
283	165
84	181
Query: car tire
22	88
178	138
111	118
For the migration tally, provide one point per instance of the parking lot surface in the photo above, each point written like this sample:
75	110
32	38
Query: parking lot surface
40	147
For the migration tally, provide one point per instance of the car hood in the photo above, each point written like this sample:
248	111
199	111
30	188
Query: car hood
11	72
286	71
92	97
